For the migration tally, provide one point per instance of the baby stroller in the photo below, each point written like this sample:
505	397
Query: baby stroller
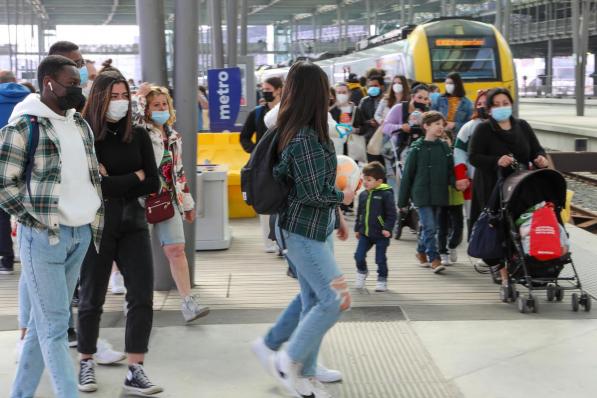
519	192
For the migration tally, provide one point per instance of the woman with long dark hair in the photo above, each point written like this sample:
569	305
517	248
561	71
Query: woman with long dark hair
128	170
308	164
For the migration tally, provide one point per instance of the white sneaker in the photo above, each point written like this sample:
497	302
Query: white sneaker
453	255
287	373
106	355
360	280
318	390
117	283
381	286
263	354
273	248
326	375
19	350
191	309
445	259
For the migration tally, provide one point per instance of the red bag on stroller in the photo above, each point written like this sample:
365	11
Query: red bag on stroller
545	234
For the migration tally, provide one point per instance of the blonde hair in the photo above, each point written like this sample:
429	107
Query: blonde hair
155	91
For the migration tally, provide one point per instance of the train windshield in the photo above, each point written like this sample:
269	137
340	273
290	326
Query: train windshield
473	63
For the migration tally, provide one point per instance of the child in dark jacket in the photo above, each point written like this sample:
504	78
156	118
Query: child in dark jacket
376	217
427	174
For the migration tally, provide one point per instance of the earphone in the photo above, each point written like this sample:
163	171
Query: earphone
50	85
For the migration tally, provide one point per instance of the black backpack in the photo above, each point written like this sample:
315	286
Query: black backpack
259	187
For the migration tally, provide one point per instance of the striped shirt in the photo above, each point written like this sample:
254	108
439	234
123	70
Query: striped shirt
40	210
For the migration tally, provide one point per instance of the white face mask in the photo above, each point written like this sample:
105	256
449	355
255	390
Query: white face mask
117	110
342	98
449	88
397	87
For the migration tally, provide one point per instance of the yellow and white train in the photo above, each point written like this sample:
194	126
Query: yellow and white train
428	53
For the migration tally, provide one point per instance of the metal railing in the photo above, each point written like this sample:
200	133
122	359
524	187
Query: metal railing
522	31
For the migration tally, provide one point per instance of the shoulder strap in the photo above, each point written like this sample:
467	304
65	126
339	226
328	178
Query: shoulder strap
258	112
31	148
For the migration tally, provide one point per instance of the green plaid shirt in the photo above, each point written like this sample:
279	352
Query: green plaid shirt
41	210
310	168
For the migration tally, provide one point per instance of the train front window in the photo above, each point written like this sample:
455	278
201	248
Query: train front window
477	63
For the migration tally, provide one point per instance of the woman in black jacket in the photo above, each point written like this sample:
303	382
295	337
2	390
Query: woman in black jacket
501	143
129	171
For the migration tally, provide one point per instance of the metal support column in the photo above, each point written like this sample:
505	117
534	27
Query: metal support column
244	12
498	15
231	31
411	12
442	7
506	20
452	8
549	68
217	51
41	40
152	41
313	33
185	100
339	24
595	75
579	41
402	13
368	16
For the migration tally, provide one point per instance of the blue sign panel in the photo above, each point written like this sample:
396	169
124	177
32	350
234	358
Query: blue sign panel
224	98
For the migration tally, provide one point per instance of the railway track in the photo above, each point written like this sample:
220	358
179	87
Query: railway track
583	218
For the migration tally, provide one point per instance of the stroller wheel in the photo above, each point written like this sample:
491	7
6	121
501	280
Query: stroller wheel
585	300
559	293
521	303
574	302
551	292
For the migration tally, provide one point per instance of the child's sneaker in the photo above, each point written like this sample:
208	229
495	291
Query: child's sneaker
453	256
360	280
445	258
436	266
381	286
422	257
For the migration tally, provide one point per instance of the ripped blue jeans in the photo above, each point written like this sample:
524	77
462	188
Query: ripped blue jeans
324	294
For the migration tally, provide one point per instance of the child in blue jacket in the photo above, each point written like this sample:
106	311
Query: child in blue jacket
376	217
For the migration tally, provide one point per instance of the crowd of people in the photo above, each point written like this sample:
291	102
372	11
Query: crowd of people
417	148
89	167
80	233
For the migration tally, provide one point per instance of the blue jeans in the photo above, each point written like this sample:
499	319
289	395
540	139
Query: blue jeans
25	307
50	273
381	247
428	218
288	320
316	270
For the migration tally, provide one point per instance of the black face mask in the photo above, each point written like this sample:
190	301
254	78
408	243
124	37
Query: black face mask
72	98
482	112
420	106
268	96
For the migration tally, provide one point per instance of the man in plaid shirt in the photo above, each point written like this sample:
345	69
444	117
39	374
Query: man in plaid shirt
59	208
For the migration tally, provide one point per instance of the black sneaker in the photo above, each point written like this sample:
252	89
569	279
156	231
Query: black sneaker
6	270
137	381
72	337
87	381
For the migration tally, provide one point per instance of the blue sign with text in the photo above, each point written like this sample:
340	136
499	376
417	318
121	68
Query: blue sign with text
224	98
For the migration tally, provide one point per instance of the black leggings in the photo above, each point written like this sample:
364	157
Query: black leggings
125	240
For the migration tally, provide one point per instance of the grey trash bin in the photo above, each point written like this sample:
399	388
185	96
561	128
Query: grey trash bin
212	231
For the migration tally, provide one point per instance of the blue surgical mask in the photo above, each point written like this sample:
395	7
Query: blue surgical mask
160	117
84	75
501	113
374	91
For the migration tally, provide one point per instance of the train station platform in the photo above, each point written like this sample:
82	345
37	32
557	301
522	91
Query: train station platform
429	336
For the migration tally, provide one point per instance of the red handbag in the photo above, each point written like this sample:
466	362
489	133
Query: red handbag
159	208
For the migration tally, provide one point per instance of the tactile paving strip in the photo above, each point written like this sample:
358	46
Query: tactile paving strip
383	360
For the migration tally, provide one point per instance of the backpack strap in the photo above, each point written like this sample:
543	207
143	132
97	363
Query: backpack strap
258	112
33	141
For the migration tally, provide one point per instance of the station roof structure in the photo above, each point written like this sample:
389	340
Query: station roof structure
261	12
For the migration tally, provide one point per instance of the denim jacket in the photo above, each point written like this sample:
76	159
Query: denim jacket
464	112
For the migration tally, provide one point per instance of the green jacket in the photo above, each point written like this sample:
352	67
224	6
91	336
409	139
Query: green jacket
427	174
310	169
